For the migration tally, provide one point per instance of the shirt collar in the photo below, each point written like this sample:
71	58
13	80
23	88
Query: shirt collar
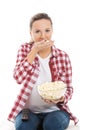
54	51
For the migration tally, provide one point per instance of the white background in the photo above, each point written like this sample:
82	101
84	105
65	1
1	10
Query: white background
70	34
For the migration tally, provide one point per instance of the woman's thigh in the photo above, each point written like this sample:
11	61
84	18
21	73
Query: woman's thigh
30	124
57	120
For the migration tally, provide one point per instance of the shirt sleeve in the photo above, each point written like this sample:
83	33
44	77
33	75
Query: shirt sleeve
22	67
68	79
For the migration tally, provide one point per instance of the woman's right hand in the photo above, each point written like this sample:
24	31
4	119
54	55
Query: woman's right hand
38	46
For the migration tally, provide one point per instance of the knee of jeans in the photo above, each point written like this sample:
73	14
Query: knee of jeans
53	124
19	125
56	123
65	123
49	124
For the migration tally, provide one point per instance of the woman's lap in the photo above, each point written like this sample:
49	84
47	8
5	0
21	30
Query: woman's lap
58	120
30	124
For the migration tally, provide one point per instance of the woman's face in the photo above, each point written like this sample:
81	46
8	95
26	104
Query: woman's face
41	30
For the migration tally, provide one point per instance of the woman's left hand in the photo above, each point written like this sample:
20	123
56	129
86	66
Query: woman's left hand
55	101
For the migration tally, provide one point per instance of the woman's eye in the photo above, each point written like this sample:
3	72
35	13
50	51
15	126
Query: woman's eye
47	30
37	31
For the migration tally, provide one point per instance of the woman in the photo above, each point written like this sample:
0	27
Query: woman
38	62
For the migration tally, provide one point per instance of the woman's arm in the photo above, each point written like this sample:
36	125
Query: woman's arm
68	79
23	66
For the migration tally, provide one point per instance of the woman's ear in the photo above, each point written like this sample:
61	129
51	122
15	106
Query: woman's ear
30	33
31	40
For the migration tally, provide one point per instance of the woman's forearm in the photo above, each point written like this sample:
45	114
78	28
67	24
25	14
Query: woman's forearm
31	56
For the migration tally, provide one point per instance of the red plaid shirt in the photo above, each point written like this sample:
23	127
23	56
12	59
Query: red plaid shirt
27	74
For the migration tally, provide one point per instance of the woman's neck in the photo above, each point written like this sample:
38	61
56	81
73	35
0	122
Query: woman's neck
44	53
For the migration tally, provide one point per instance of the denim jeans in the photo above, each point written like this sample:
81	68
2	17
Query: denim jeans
56	120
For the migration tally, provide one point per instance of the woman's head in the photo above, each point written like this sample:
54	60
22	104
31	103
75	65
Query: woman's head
39	16
41	27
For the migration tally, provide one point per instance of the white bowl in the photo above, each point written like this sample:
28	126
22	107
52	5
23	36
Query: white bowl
52	90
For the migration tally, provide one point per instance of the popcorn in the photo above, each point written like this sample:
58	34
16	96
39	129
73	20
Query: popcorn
52	90
47	40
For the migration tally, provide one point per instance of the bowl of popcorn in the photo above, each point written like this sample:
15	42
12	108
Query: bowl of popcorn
52	90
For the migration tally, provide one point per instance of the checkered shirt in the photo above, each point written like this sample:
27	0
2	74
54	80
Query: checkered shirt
27	74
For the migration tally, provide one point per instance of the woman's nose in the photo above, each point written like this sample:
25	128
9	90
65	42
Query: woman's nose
42	35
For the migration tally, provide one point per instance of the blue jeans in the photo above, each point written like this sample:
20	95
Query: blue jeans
56	120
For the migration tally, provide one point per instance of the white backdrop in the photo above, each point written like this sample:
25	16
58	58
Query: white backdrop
70	34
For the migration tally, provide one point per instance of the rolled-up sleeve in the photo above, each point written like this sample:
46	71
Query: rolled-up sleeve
68	79
22	67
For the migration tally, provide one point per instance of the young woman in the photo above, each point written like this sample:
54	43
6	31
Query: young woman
39	61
